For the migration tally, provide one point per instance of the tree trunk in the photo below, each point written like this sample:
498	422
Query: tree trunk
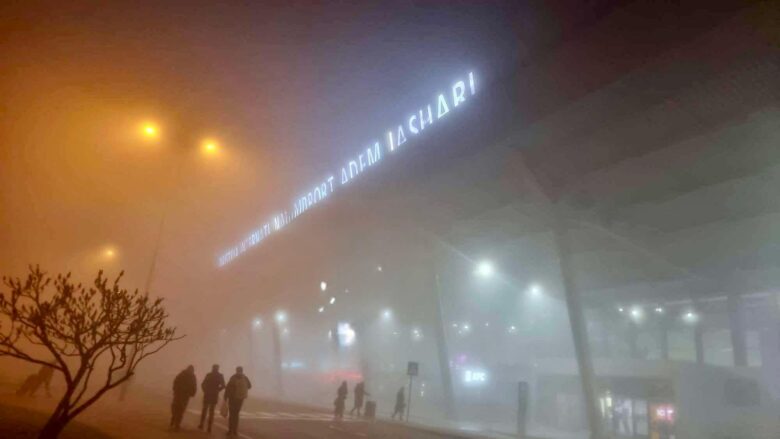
53	427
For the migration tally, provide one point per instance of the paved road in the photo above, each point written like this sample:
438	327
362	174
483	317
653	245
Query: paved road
146	415
260	420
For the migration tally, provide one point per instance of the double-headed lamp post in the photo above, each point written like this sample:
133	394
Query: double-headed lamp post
151	132
209	147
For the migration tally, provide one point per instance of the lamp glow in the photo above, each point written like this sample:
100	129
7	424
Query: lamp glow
149	130
210	147
637	314
691	317
485	269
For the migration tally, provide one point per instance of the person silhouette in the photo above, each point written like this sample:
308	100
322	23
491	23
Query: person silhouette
360	394
236	392
340	401
184	387
45	374
400	404
212	384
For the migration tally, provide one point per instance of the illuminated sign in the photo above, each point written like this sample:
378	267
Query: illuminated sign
361	162
665	413
474	377
294	365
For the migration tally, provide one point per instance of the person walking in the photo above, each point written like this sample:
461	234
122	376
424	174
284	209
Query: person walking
184	387
45	374
340	401
400	404
360	394
30	384
236	391
212	384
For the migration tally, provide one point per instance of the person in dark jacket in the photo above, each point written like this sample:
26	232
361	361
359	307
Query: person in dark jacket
212	384
400	404
184	387
360	394
236	391
340	401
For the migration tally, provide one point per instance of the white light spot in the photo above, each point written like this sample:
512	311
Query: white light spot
346	334
474	377
637	314
691	317
485	269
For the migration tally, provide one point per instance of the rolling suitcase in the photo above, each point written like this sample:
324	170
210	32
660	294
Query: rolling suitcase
370	412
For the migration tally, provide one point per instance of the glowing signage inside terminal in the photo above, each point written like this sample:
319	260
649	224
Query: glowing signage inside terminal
367	158
473	377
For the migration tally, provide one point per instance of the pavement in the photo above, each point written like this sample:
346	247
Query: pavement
273	419
145	415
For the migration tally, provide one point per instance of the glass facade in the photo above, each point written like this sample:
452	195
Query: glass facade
602	259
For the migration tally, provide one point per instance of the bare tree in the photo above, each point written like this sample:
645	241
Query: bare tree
71	328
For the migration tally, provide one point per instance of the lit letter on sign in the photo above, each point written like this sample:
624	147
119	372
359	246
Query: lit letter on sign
443	108
416	123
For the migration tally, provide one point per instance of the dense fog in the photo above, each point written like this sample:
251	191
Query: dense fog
588	238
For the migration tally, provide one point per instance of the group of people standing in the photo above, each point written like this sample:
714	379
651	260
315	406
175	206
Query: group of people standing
185	387
360	393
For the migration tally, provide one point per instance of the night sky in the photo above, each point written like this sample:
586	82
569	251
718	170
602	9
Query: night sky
288	89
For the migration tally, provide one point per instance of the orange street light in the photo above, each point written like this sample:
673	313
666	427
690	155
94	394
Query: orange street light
210	147
109	253
149	130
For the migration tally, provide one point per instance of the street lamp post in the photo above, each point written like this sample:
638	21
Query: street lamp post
161	228
209	147
151	132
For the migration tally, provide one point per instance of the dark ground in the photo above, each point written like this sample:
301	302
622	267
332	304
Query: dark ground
146	415
23	423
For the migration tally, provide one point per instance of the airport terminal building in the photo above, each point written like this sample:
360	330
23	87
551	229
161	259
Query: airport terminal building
589	243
